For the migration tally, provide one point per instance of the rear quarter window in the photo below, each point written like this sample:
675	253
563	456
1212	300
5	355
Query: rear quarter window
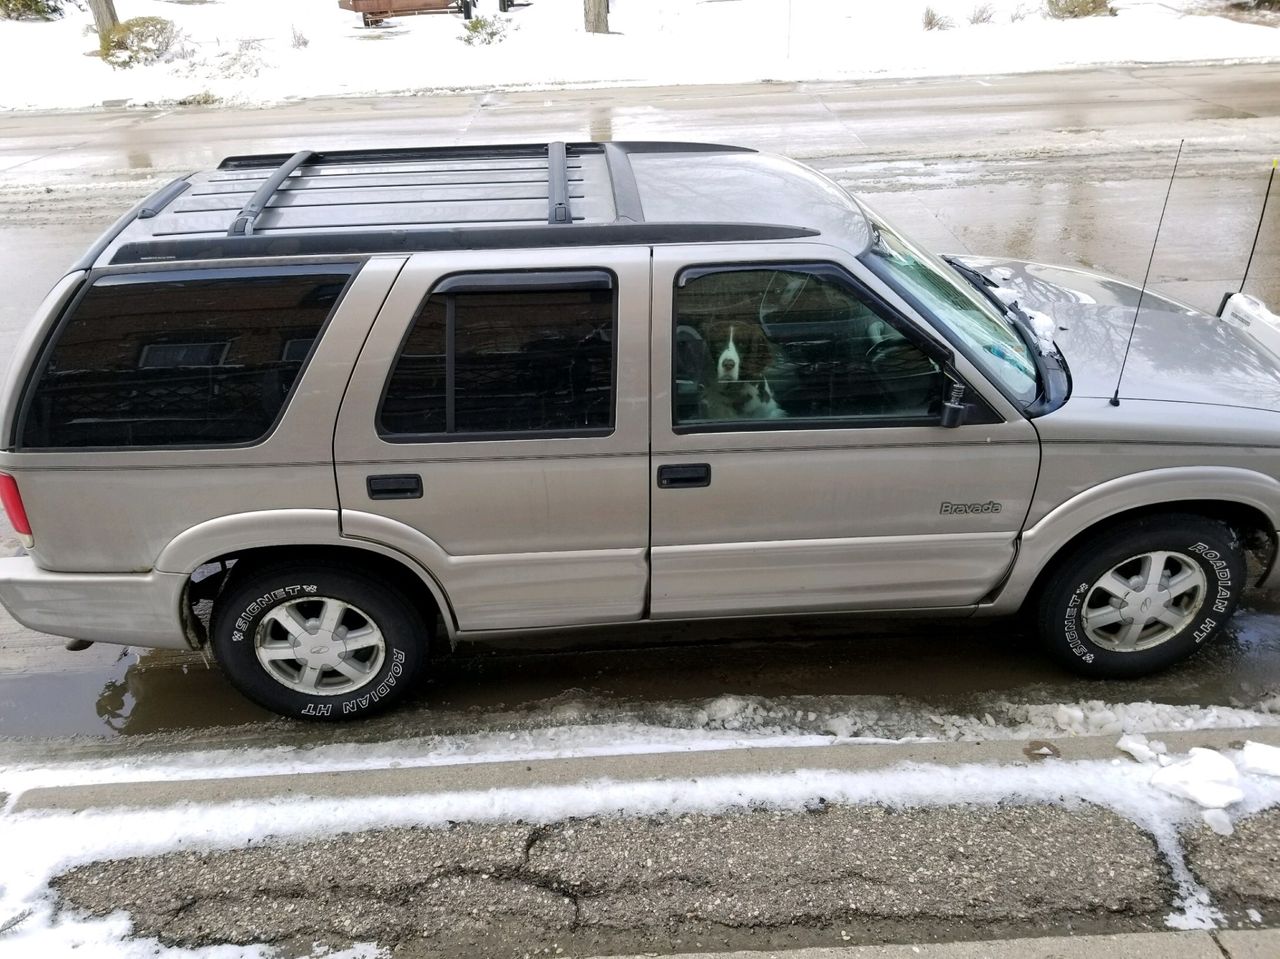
191	358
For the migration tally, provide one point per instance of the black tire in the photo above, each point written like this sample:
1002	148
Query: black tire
465	7
1075	589
391	665
504	6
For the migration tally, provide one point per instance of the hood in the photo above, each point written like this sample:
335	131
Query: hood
1178	355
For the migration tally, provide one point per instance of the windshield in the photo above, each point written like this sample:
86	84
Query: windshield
993	339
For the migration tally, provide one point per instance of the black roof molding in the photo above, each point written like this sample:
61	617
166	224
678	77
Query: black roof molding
242	225
495	152
343	243
144	209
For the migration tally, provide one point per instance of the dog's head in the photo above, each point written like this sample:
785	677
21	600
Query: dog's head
738	351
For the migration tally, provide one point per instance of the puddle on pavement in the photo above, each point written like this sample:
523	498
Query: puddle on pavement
613	675
141	692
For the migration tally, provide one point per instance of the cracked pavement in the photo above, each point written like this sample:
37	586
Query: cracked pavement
757	878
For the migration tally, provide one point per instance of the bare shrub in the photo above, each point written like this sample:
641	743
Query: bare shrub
30	9
140	41
300	41
244	61
1019	13
982	13
933	20
484	30
1070	9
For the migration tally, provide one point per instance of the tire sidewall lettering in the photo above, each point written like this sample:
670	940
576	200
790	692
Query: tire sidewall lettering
1219	599
245	623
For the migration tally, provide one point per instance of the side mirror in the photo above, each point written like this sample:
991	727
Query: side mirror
953	408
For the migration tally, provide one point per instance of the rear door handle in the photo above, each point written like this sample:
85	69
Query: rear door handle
684	476
399	486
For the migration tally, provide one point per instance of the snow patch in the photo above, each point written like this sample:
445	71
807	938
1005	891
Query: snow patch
245	51
1206	777
1260	758
1218	821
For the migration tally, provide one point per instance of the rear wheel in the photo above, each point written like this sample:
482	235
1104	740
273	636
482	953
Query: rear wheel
318	642
1141	596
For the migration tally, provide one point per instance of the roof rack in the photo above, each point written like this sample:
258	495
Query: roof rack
361	201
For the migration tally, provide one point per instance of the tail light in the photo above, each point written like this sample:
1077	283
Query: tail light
11	499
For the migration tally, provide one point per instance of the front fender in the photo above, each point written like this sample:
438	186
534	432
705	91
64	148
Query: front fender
1039	544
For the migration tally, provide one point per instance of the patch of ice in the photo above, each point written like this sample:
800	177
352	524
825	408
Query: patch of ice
1218	821
1205	777
1137	746
1254	915
1260	758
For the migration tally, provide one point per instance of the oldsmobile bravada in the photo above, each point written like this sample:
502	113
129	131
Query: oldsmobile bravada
311	411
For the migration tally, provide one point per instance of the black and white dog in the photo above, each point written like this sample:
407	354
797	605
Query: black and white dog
735	386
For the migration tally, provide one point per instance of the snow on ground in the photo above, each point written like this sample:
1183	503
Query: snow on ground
1159	792
580	727
245	51
40	845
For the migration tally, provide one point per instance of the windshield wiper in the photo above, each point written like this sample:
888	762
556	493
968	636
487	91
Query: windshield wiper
987	286
1052	373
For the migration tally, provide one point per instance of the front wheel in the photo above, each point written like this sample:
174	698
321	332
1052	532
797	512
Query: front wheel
1141	596
318	642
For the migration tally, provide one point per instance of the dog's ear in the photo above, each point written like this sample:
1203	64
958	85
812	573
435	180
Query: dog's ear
757	353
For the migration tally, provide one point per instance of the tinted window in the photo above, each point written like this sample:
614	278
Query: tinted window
793	344
505	360
197	358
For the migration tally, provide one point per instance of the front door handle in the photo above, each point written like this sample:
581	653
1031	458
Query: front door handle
684	476
400	486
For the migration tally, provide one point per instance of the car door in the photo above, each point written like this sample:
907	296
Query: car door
820	478
496	430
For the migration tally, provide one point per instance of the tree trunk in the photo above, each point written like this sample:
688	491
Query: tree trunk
596	13
104	16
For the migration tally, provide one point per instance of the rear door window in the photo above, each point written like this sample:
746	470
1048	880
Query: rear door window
189	358
506	354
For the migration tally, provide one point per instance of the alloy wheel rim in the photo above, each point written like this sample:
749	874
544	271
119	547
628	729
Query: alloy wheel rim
1144	601
320	646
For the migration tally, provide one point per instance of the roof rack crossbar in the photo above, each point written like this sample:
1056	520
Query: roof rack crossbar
626	192
558	183
242	225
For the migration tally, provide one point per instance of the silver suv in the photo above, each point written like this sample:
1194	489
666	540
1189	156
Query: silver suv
312	410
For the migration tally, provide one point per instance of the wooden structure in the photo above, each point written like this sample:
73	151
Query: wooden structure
373	12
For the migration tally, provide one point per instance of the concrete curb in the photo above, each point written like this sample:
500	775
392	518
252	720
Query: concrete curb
457	777
1261	944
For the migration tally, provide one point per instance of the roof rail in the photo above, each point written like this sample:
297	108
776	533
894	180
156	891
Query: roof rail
242	225
558	184
364	243
487	152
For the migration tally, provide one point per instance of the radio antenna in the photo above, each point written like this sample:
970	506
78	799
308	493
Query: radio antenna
1261	216
1115	397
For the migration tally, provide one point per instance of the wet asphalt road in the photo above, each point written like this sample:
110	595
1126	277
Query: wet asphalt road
745	880
1061	167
